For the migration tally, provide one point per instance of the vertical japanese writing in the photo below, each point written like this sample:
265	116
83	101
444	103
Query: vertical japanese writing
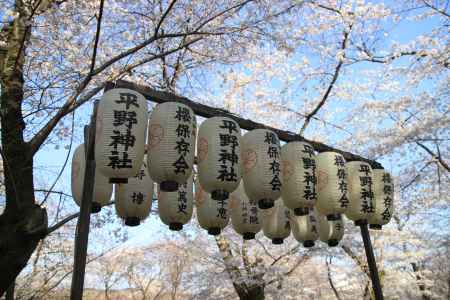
309	178
228	158
388	196
253	217
222	209
183	133
342	180
123	139
365	181
137	198
182	199
312	221
273	151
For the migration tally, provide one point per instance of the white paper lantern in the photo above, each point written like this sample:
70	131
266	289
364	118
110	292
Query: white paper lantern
276	222
218	148
261	163
245	214
305	228
360	191
212	215
120	134
102	187
299	177
332	197
383	191
330	232
171	144
133	200
175	208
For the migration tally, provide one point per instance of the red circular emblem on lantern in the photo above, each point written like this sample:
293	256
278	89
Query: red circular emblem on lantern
249	159
202	151
156	135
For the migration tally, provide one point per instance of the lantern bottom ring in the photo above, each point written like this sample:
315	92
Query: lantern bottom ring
277	241
168	186
132	221
360	222
220	195
214	231
333	243
175	226
375	226
118	180
248	235
308	244
301	211
96	207
333	217
265	203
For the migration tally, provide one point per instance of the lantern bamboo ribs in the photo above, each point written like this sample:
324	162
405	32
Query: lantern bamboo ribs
219	158
102	188
121	124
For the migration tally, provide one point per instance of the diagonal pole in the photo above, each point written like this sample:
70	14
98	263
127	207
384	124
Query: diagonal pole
376	285
82	232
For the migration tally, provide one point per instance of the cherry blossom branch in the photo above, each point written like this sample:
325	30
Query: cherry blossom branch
330	279
356	259
435	156
436	9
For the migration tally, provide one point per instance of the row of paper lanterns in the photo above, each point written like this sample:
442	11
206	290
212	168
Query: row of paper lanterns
308	184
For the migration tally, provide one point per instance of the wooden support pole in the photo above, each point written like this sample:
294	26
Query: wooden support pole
82	232
208	112
376	285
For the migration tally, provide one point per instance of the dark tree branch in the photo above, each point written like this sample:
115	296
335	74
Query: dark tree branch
169	8
435	156
330	279
331	84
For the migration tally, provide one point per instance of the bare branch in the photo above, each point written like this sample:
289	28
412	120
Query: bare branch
169	8
332	82
330	279
62	222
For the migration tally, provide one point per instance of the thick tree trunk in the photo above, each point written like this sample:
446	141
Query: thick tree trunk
23	223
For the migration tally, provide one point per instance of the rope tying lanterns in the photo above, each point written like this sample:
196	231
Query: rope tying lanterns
218	148
332	197
299	177
360	192
245	214
171	142
383	192
305	228
102	188
275	222
212	215
261	166
175	208
120	134
133	200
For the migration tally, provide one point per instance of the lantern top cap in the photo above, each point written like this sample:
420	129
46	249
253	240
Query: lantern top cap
172	103
122	90
356	162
